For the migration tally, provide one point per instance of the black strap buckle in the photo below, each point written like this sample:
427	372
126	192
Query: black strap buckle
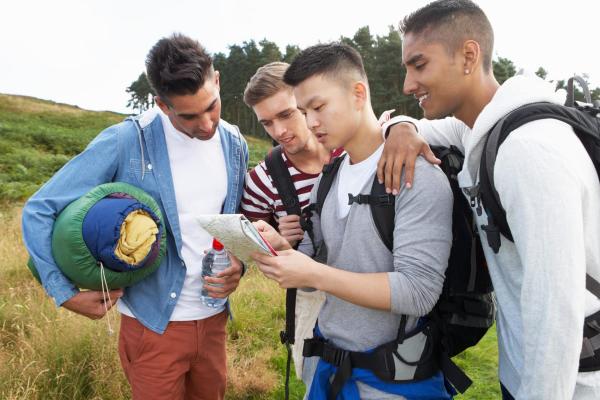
285	339
386	200
333	355
493	236
378	200
305	222
358	199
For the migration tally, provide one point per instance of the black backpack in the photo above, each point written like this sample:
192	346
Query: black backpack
465	309
584	118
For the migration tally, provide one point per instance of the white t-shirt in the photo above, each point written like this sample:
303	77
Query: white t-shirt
353	177
200	184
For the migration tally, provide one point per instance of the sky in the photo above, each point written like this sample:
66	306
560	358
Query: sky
86	53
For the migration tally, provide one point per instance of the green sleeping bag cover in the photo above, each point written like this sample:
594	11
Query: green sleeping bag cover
71	253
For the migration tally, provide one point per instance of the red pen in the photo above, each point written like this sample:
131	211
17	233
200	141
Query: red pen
271	249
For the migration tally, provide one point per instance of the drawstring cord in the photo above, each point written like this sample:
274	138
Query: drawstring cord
105	297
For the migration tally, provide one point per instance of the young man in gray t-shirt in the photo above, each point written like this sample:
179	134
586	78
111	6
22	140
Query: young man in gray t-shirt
368	288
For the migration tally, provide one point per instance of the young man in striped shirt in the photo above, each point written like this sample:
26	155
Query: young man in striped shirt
275	107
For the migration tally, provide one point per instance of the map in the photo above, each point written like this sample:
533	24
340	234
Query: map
236	233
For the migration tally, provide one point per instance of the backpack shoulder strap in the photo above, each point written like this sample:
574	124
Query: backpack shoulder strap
380	202
283	181
284	184
384	213
585	127
328	175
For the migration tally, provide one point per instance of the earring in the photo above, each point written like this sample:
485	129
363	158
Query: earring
466	72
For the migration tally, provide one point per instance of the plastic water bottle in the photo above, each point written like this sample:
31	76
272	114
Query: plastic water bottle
215	261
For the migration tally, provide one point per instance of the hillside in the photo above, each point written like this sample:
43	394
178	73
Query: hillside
38	136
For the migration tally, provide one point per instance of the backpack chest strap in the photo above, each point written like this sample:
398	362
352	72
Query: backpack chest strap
371	199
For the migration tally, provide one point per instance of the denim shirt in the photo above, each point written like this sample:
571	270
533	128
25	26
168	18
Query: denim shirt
133	152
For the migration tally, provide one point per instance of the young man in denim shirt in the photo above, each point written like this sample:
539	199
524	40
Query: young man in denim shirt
191	162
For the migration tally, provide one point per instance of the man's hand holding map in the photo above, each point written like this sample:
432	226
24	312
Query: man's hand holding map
237	234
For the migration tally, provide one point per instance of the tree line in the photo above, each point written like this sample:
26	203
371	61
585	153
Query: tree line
382	56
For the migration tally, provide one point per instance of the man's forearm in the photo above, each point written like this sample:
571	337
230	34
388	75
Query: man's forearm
367	290
437	132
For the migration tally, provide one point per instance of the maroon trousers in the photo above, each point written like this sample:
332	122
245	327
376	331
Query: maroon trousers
187	361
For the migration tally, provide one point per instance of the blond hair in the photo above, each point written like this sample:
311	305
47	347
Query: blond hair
267	81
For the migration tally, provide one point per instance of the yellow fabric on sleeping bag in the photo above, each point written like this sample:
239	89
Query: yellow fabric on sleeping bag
138	233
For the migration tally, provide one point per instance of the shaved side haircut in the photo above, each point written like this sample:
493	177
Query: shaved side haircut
452	22
334	60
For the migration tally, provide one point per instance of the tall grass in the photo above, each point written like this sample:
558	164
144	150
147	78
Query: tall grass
50	353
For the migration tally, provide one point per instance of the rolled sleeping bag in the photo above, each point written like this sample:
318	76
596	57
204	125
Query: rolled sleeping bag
115	225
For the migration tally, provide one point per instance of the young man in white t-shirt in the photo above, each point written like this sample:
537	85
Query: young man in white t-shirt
274	104
369	287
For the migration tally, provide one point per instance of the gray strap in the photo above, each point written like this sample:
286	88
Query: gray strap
592	285
571	91
590	345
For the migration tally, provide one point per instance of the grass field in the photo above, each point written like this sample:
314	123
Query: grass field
49	353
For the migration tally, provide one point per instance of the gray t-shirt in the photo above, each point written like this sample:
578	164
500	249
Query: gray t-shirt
422	241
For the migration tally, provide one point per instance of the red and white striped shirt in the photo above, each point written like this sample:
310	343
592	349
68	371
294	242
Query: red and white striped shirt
262	200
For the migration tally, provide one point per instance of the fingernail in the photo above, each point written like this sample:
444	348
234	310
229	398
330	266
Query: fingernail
394	192
388	190
380	181
408	185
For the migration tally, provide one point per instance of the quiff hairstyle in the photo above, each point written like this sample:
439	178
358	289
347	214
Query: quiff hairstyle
452	22
267	81
178	65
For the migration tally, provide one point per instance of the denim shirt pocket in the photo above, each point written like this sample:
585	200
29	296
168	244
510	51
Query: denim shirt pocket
135	170
148	181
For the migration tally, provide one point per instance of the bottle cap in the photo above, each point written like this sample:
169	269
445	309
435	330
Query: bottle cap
217	245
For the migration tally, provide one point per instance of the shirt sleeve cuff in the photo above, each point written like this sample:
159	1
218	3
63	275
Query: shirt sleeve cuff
396	120
60	292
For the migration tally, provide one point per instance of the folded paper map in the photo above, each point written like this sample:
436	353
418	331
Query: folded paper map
236	233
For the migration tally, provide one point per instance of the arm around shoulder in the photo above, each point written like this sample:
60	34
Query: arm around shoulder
445	132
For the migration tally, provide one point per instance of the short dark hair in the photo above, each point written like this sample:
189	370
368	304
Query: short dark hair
331	59
452	22
177	65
